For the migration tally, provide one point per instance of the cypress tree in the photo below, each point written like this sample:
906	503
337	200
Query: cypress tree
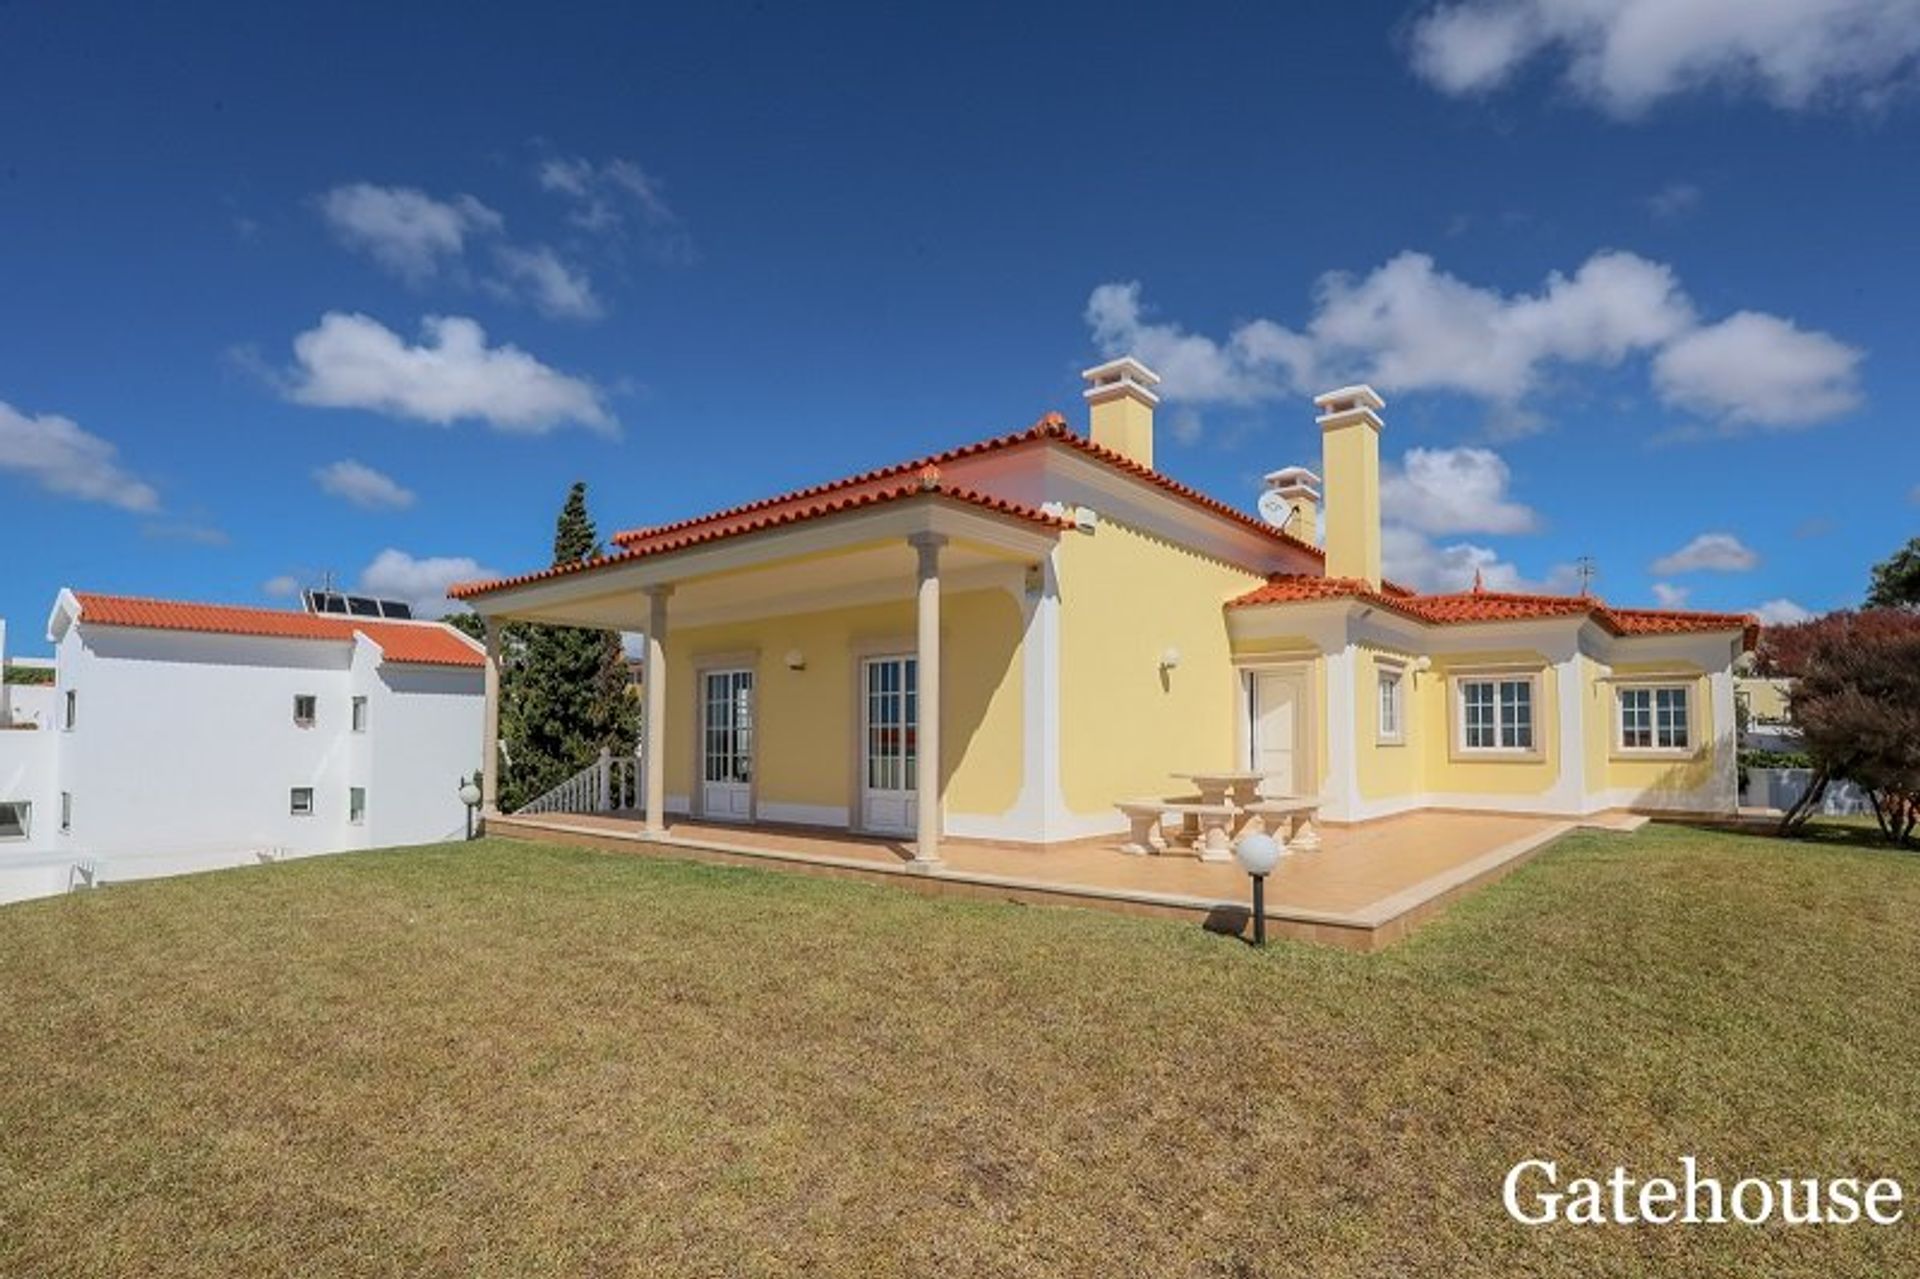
566	691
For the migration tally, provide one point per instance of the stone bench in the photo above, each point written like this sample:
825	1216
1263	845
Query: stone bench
1210	820
1289	820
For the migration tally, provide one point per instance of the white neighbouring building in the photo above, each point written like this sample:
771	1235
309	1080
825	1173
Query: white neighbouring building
179	736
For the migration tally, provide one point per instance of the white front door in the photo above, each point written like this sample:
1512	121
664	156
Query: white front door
1273	717
889	721
726	745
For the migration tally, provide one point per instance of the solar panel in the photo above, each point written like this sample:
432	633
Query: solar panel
342	605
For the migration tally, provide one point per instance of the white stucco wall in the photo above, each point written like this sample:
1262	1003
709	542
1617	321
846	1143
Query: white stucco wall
184	754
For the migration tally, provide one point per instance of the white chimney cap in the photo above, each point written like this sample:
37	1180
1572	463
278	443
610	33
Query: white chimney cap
1124	376
1292	477
1357	396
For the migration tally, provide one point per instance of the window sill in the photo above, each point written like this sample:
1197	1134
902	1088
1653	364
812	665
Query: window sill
1495	755
1629	754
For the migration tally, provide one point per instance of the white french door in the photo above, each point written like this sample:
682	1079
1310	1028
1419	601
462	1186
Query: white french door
726	745
889	725
1273	722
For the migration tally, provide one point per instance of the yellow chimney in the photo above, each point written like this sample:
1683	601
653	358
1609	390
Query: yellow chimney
1350	459
1121	398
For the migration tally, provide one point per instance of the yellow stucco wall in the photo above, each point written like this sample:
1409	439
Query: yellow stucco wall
1447	774
1386	770
1125	598
808	720
1766	698
1606	768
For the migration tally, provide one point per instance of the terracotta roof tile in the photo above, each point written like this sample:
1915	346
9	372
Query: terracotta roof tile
414	643
777	513
1466	607
1052	427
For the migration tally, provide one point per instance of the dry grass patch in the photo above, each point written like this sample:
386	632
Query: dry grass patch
501	1059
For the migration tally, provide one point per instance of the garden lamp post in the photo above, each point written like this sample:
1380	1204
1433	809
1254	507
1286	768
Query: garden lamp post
1258	854
470	796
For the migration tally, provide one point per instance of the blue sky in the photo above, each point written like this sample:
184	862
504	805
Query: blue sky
360	289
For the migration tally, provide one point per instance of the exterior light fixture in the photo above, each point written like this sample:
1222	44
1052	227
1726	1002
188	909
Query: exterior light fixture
796	660
470	796
1258	854
1170	659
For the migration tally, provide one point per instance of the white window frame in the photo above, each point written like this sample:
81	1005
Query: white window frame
26	820
356	806
313	715
1500	680
293	801
1690	722
1390	695
359	712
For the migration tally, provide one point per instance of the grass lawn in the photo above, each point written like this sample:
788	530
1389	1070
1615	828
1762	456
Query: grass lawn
500	1059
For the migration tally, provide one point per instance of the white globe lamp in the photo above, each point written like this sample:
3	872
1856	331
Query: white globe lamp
470	796
1258	853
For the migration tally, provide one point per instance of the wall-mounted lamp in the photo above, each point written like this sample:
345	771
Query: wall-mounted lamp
796	660
1422	664
1170	659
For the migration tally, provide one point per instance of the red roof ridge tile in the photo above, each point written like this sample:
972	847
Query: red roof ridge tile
1039	430
1050	426
671	539
418	641
1482	605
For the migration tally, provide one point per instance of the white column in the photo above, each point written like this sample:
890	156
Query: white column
490	726
926	851
655	752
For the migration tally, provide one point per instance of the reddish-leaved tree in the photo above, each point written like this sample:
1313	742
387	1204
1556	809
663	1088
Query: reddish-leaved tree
1856	700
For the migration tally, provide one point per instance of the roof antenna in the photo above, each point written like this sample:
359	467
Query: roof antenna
1585	567
1479	583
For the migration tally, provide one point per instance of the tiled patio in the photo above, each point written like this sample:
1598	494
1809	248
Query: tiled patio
1367	886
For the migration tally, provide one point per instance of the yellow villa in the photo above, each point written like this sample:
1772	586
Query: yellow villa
1008	640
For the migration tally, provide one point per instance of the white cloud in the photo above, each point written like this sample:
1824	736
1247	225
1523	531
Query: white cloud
1710	552
1409	326
394	574
354	361
554	287
406	230
1781	612
363	486
1759	370
1667	595
55	453
1626	55
609	197
1412	559
284	586
1462	490
1674	200
1259	361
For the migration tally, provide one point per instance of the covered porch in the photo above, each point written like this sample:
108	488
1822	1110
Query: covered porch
833	666
1366	887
